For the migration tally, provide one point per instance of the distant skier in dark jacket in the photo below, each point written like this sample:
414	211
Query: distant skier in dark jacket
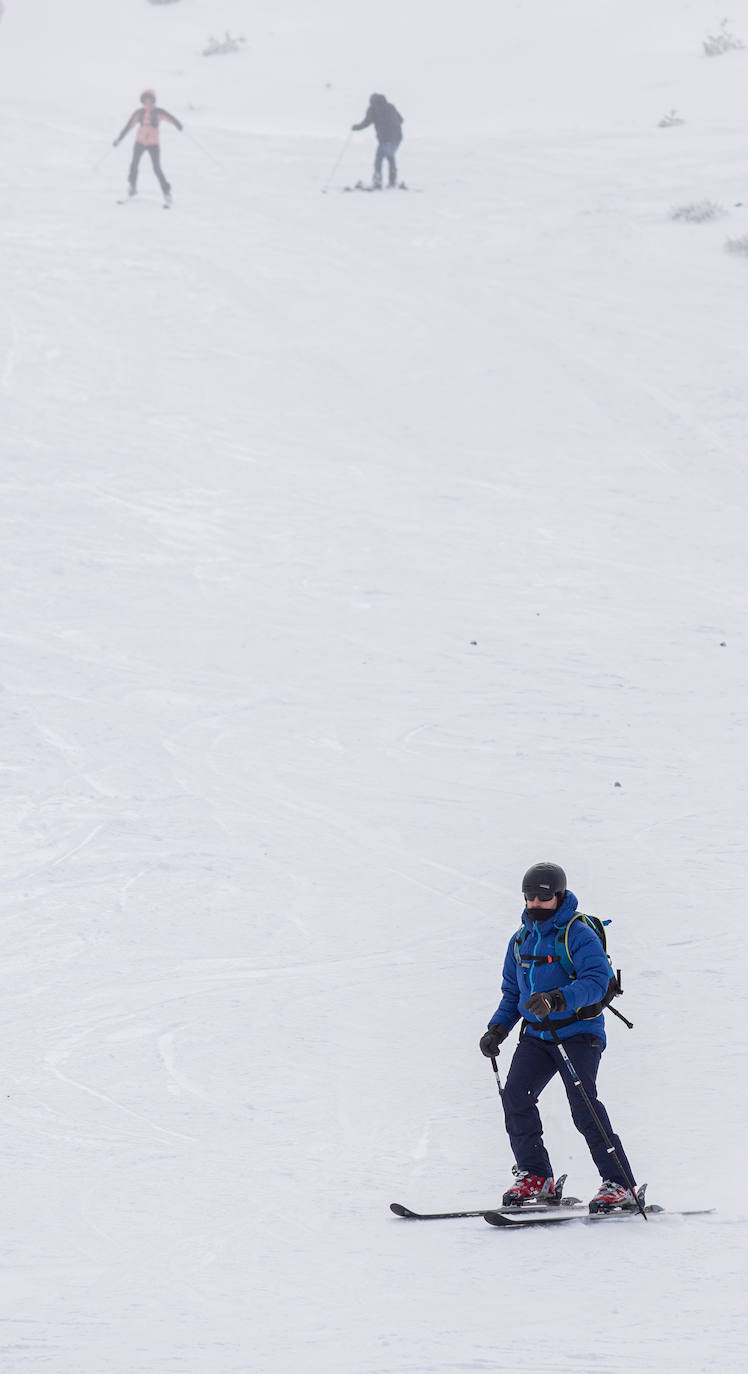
388	124
148	117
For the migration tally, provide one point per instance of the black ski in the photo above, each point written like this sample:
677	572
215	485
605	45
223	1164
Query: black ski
400	1211
361	186
166	204
569	1204
616	1214
536	1209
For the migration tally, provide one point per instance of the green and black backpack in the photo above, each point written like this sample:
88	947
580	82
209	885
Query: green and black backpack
563	957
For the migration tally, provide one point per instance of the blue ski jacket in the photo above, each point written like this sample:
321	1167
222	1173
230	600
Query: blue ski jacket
521	978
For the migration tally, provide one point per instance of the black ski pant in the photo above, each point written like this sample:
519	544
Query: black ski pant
533	1065
155	153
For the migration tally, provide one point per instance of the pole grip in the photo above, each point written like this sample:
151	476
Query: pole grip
495	1068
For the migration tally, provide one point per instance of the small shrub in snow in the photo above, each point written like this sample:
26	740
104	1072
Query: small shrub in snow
717	43
738	246
225	44
697	211
672	117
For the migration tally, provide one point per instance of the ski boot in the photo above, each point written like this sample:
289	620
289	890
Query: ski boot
376	183
612	1196
528	1188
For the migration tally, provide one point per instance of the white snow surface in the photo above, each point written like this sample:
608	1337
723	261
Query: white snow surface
358	551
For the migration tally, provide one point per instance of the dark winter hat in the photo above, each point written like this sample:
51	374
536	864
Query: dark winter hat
544	880
377	99
147	93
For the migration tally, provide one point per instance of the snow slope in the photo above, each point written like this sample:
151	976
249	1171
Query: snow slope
358	551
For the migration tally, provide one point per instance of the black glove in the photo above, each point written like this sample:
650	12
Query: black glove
489	1043
542	1004
115	143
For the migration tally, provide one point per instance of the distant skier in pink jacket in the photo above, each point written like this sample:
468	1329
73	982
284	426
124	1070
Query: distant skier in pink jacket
148	117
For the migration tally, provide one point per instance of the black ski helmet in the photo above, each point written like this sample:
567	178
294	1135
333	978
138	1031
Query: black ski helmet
544	880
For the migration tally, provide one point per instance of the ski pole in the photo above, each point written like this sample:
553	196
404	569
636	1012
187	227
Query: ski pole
97	165
495	1068
339	159
576	1080
202	149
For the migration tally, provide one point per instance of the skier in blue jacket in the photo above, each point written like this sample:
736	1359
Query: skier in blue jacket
536	986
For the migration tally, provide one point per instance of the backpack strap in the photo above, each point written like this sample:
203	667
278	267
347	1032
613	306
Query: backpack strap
562	945
563	955
530	958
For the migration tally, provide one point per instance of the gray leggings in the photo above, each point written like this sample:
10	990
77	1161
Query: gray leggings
155	153
387	150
